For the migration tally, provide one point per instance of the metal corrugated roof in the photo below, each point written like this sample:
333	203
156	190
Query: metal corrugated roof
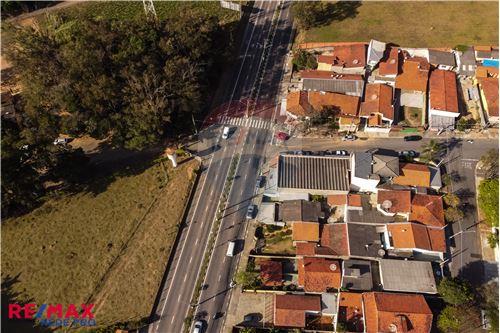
353	87
329	173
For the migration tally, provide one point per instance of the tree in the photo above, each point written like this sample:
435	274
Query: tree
431	150
453	214
464	124
488	201
248	330
455	291
246	279
451	200
489	163
447	179
458	318
304	60
492	240
308	14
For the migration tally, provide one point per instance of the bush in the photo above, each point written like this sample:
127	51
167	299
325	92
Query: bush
488	201
304	60
493	240
453	214
458	318
451	200
270	228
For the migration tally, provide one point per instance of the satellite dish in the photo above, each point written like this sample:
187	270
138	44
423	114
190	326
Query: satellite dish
374	97
393	328
387	204
381	252
355	61
333	267
392	61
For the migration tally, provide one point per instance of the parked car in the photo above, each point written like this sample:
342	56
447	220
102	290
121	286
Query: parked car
225	132
341	153
61	141
250	212
197	327
408	153
260	182
470	141
282	136
412	138
349	137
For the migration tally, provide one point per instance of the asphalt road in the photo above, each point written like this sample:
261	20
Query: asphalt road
177	291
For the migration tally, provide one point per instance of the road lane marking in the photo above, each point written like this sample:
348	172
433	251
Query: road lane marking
172	321
185	277
190	260
220	277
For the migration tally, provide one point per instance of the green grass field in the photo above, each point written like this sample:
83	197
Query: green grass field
414	24
135	9
107	247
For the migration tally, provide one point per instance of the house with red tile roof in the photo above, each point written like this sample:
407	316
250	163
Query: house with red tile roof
377	107
334	238
317	275
415	238
428	210
351	311
388	68
413	174
443	99
305	232
271	273
303	104
345	59
488	87
390	312
292	310
394	202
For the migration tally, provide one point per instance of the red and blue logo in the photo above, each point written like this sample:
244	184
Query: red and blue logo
54	315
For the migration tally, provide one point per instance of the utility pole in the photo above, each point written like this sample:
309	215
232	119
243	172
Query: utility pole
149	9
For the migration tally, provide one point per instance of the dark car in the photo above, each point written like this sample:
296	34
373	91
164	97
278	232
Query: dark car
260	182
250	212
282	136
413	138
408	153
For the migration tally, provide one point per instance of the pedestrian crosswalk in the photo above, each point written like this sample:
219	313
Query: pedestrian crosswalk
253	122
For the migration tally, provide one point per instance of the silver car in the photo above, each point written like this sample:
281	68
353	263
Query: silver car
197	327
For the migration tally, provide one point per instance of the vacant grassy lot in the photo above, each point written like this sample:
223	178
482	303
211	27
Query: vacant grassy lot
108	246
414	24
135	10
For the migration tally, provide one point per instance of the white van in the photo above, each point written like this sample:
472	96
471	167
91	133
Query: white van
230	249
225	133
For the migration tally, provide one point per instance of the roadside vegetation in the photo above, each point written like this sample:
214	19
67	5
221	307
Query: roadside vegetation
426	24
488	194
107	245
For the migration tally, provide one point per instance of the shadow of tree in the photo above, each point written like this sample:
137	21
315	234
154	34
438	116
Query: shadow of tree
476	272
10	296
338	11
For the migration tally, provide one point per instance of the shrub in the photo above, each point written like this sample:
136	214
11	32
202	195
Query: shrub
455	291
493	240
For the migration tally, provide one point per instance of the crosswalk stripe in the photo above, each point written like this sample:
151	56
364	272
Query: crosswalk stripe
246	122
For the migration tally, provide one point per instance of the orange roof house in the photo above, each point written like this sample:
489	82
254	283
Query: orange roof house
336	199
412	174
351	310
443	91
290	310
416	236
304	104
414	75
334	237
344	56
378	100
390	66
297	103
319	274
489	97
427	209
271	273
400	201
354	200
305	232
388	313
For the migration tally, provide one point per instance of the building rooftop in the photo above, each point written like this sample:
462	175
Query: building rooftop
357	275
305	231
427	209
390	66
271	273
396	201
322	173
345	84
407	276
416	236
336	199
300	210
348	56
351	310
443	91
489	87
319	274
345	104
363	165
388	312
329	304
385	163
334	237
467	62
437	57
414	75
365	240
412	174
290	310
376	51
378	99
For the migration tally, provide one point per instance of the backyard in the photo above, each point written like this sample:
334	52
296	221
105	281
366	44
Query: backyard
411	116
411	24
106	245
278	240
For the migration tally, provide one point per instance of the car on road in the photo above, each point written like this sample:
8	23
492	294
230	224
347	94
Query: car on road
250	212
349	137
230	248
225	132
341	153
470	141
260	182
412	138
282	136
197	327
217	315
408	153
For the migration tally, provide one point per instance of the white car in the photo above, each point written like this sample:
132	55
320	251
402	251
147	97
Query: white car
225	133
61	141
197	327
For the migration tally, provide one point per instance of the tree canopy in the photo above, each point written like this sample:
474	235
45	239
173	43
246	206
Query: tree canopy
455	291
488	200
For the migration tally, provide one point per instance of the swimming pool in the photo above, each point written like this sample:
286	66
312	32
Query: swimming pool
490	62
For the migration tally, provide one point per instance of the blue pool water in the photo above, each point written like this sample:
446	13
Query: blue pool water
490	62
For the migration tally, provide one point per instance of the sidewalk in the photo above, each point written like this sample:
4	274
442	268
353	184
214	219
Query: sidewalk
490	256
